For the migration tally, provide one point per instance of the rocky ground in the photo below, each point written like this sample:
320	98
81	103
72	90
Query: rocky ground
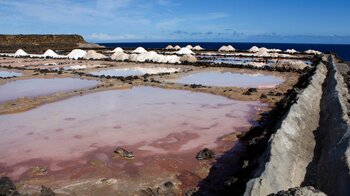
40	43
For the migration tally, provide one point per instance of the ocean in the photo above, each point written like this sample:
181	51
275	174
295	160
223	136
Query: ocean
342	51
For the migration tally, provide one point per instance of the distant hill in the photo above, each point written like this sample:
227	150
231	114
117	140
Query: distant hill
39	43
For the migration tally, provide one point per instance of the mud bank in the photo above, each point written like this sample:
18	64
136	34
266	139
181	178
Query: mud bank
311	147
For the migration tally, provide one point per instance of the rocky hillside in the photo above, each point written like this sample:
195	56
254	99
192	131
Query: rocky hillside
36	43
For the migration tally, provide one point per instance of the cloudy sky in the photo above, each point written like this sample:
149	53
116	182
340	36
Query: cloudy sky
306	21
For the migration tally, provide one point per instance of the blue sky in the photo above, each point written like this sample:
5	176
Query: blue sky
300	21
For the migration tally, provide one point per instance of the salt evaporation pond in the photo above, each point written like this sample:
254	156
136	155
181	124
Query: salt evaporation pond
6	74
158	125
38	87
234	61
124	72
230	79
243	60
227	60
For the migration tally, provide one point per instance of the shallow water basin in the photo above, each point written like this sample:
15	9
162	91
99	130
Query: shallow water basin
135	71
7	74
248	61
230	79
163	128
39	87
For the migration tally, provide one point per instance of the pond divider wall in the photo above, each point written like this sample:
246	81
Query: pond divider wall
312	145
330	168
284	163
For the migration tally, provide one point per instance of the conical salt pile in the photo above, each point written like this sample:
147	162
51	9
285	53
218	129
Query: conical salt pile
263	52
139	50
50	53
169	47
184	51
197	48
254	49
118	49
92	54
177	47
76	54
21	52
291	51
188	58
228	48
189	47
120	56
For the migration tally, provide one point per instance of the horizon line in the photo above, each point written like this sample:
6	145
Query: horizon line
305	43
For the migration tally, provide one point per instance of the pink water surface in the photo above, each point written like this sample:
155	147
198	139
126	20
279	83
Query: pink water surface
150	120
231	79
38	87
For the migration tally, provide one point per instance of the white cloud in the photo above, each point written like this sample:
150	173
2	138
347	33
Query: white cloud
174	23
108	6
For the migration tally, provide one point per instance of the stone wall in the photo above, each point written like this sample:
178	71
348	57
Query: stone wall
330	168
284	164
312	145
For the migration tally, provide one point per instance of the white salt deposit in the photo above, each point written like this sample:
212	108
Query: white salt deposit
231	48
177	47
171	59
291	51
76	54
118	49
139	50
50	53
146	56
49	64
154	57
20	52
313	52
183	51
262	52
198	47
75	67
223	49
154	70
228	48
274	50
169	47
255	64
92	54
295	64
120	56
254	49
188	58
189	47
133	57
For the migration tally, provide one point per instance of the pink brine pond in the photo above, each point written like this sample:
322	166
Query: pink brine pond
148	121
39	87
230	79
